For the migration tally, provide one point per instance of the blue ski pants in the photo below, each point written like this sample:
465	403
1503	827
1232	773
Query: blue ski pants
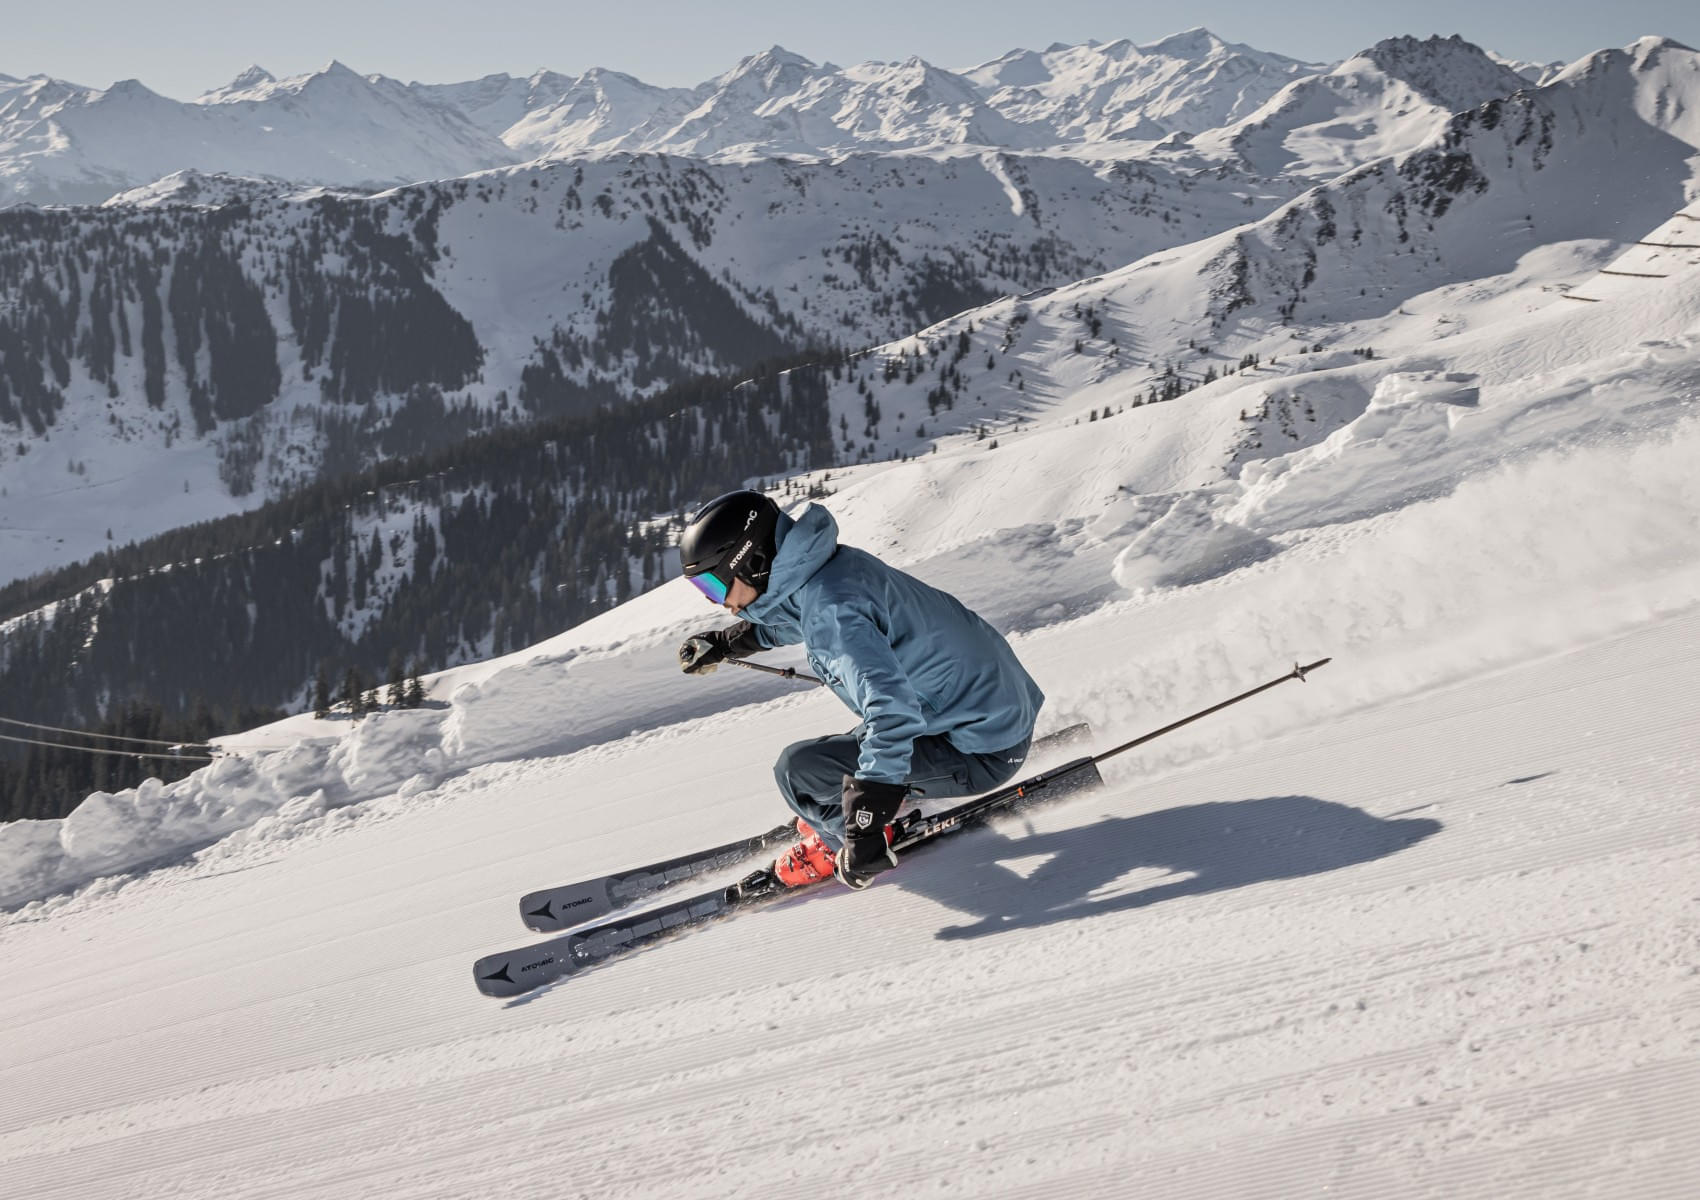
811	775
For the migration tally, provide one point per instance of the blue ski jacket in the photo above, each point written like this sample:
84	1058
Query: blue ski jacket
908	659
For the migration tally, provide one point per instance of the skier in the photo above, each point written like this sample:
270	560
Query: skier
946	708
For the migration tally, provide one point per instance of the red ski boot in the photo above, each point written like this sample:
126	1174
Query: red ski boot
809	861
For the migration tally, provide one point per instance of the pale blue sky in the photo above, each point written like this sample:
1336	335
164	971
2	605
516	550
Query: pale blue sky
184	47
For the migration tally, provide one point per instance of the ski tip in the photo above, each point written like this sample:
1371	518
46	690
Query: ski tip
519	971
539	918
494	977
556	909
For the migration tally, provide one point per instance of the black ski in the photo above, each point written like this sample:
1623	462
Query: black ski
559	908
518	971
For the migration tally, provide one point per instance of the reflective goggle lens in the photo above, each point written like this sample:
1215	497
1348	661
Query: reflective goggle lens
709	585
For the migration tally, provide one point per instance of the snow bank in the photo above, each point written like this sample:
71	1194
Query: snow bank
117	831
535	705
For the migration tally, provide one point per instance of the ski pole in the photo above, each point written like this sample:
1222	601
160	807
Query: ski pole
1297	673
782	672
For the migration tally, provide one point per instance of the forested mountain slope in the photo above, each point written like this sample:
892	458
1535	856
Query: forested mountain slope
170	362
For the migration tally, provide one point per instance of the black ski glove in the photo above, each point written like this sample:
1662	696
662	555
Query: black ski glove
869	807
701	653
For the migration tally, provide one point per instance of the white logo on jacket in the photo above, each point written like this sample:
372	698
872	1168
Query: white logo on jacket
864	818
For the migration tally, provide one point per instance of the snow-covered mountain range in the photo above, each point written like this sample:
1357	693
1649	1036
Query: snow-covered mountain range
557	285
1392	98
65	143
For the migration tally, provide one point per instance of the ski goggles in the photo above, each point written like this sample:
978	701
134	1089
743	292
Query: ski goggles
710	585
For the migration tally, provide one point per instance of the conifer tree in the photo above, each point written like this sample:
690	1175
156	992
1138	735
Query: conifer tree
321	694
353	694
396	696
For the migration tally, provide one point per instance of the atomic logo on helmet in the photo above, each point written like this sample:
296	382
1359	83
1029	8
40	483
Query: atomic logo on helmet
732	537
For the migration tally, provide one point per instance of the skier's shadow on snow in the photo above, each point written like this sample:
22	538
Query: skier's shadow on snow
1186	851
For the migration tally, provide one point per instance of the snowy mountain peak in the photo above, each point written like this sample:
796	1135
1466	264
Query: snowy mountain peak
543	78
255	83
1118	50
1640	61
1121	91
343	78
1645	49
255	76
39	92
197	189
1197	44
922	83
1656	78
1449	71
1389	53
498	103
129	91
1016	69
608	82
775	69
1600	62
1386	100
600	110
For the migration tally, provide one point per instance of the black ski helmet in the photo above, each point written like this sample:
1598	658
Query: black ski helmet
731	537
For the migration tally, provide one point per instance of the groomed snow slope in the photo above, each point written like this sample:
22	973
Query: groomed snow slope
1426	925
1444	945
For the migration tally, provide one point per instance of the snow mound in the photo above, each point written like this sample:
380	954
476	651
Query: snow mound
1411	417
1185	541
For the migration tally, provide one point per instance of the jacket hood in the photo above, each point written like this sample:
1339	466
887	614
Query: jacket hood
803	546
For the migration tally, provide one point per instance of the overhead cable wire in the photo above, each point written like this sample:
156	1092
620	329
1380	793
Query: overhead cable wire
6	737
89	733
